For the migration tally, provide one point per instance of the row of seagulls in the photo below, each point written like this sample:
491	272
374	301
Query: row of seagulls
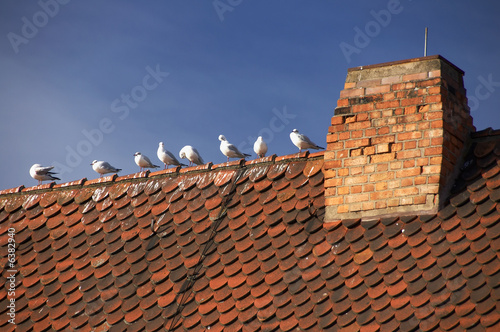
44	173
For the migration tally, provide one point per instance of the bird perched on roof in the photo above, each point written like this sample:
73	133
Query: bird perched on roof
143	161
42	173
191	154
103	167
166	157
229	150
260	147
302	141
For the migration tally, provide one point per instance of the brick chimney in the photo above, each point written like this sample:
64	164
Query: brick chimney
397	139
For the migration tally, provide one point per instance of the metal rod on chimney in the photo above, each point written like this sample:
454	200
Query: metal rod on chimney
425	43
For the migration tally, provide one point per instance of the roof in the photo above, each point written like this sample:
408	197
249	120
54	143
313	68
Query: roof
244	246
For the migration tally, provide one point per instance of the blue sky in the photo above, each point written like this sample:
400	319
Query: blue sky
101	80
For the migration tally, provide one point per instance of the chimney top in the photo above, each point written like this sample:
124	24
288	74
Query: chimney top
397	135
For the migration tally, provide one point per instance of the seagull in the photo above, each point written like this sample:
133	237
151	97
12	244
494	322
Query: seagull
42	173
103	167
302	141
167	157
191	154
260	147
143	162
229	150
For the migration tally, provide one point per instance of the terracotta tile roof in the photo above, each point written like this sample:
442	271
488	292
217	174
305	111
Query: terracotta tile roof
244	247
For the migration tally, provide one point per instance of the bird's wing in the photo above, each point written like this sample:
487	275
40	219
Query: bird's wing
44	170
198	157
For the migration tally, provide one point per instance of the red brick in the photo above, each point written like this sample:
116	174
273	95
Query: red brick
357	134
391	79
381	195
369	132
368	206
433	99
406	182
437	124
368	83
405	154
329	201
438	150
343	190
342	208
420	180
396	165
408	172
393	202
356	189
434	90
359	125
362	107
356	198
405	191
329	183
356	143
352	93
431	169
332	164
368	188
409	145
378	89
380	205
341	154
436	160
388	104
422	162
344	135
356	180
369	150
343	172
383	130
356	170
381	186
422	199
429	189
343	102
409	135
424	143
355	152
412	101
383	139
409	163
337	120
351	119
415	77
381	176
349	85
435	73
383	157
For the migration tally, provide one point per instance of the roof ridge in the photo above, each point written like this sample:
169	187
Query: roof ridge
108	180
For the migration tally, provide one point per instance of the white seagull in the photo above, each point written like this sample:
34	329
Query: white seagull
167	157
191	154
42	173
302	141
260	147
103	167
229	150
143	162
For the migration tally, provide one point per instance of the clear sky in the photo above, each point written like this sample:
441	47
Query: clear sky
85	80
